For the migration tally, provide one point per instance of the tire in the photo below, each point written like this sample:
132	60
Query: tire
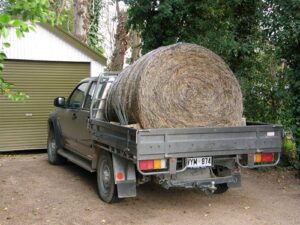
52	148
105	179
221	188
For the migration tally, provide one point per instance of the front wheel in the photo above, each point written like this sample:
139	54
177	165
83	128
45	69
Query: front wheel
52	148
105	179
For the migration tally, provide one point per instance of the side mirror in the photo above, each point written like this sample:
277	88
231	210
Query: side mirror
60	102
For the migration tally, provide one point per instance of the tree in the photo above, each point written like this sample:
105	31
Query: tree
13	15
82	19
282	24
94	40
134	44
58	7
121	41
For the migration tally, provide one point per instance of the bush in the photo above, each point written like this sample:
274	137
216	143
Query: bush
290	155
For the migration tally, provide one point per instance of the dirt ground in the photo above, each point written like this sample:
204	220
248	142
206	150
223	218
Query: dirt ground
35	192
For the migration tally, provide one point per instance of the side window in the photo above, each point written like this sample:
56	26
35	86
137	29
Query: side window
88	100
77	97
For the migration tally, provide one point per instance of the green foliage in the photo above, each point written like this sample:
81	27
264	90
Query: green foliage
217	25
30	10
66	20
282	24
14	14
229	28
94	40
14	95
290	151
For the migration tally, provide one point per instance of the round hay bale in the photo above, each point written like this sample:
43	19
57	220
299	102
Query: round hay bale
181	85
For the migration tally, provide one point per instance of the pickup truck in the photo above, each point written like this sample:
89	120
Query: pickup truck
124	156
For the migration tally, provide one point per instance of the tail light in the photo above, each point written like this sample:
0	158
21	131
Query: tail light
263	158
156	164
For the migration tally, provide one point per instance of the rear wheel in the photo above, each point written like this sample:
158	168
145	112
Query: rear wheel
53	157
221	188
105	179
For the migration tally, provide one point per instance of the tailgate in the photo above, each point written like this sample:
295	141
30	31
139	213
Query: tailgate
193	142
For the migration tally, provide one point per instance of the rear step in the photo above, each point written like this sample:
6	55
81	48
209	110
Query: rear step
78	160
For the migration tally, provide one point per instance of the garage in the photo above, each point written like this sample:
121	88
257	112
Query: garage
44	77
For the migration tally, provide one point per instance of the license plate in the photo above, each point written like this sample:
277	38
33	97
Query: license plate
200	162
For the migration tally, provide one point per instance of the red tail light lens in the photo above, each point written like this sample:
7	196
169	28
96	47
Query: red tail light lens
155	164
146	164
267	157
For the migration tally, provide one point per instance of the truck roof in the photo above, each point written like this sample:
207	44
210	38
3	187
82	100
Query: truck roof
111	75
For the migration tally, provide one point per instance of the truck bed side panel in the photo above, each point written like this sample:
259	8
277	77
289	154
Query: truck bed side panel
155	143
116	136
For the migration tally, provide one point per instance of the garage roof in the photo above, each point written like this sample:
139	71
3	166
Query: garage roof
75	42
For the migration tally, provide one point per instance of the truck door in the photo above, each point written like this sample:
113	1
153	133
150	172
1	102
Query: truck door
82	134
68	116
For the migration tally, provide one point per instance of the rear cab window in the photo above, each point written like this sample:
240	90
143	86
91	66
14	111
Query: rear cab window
90	93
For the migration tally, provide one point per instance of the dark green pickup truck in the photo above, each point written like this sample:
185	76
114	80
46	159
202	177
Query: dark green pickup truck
124	156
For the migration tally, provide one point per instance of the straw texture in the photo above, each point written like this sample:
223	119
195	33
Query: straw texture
176	86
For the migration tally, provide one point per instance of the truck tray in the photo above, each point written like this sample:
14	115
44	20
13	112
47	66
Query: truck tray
187	142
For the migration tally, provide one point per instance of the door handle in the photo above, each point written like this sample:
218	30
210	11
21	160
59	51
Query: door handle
74	116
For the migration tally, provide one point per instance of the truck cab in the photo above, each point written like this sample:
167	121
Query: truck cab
72	116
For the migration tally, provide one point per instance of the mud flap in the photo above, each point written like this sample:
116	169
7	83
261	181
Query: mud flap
125	178
237	180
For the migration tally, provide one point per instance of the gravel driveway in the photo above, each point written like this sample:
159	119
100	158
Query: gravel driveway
35	192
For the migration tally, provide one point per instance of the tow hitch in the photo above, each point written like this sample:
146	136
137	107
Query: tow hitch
208	188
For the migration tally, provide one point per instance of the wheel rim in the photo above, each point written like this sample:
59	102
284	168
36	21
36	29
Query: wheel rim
105	177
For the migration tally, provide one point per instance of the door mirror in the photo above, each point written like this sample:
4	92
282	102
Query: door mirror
60	102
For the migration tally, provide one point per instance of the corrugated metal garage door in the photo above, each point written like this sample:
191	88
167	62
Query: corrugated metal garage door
24	125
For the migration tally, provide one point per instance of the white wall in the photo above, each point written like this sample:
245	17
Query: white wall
96	69
41	44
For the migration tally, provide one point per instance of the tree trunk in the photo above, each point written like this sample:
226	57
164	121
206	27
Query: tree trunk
81	19
135	44
59	11
121	41
57	6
